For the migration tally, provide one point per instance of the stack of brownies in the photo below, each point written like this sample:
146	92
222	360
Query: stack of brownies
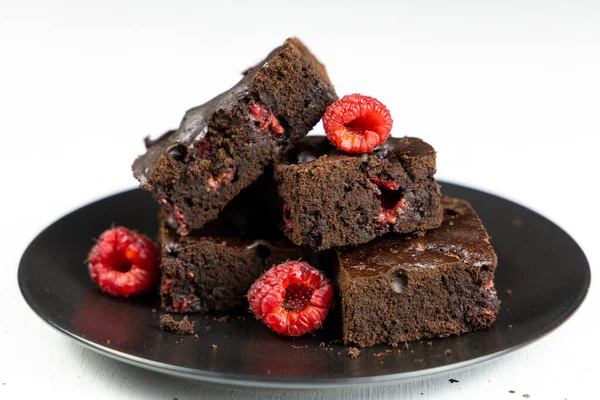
242	188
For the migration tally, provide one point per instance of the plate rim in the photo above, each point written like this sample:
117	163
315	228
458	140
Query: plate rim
245	380
242	380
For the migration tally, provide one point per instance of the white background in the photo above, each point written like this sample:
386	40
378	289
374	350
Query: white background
507	92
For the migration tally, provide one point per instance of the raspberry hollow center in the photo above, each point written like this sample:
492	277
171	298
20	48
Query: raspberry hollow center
390	198
296	298
120	263
361	124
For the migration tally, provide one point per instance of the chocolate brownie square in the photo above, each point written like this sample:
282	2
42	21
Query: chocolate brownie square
400	288
335	199
224	145
212	268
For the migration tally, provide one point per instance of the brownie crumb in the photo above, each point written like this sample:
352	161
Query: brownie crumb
214	346
353	352
196	336
508	292
509	326
405	345
452	380
430	343
154	310
322	345
381	354
399	352
108	341
517	222
447	352
169	324
297	347
224	318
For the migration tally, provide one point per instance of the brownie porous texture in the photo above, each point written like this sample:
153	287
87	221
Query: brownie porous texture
169	324
335	199
224	145
400	288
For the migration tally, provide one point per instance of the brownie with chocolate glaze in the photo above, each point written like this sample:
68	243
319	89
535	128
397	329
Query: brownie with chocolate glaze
399	288
336	199
225	144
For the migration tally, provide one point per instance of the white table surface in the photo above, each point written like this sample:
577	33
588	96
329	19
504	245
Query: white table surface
507	92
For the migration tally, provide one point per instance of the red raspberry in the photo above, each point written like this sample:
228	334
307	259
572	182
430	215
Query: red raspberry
123	263
291	298
392	201
357	123
266	118
387	184
287	216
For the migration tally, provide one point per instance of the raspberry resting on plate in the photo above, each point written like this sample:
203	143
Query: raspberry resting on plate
291	298
123	262
357	123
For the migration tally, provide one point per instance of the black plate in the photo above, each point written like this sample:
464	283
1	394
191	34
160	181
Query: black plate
546	270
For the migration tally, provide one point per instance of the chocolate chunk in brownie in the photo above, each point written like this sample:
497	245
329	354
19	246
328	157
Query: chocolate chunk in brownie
400	287
184	326
224	145
335	199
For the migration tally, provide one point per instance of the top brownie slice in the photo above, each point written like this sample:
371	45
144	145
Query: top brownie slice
335	199
224	145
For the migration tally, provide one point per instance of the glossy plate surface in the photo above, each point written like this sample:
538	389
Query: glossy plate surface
544	268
